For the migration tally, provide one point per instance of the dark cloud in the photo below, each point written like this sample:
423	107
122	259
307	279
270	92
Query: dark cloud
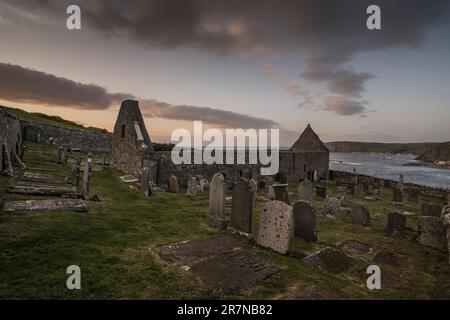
221	118
344	106
24	85
20	84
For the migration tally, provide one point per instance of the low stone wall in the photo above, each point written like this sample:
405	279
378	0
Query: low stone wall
439	193
65	137
10	136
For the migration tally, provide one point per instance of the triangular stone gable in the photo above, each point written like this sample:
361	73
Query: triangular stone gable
309	141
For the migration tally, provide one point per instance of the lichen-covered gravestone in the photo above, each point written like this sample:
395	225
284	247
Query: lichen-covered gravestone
431	209
305	190
87	175
173	184
361	216
275	226
432	233
331	207
305	225
216	212
396	224
358	191
242	208
192	188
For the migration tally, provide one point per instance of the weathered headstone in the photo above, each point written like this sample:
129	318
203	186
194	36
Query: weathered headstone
397	195
173	184
305	190
401	182
216	212
253	189
305	225
192	187
60	155
144	184
358	191
87	176
268	181
271	193
413	195
242	209
281	192
75	205
361	216
446	222
331	207
321	192
431	209
432	232
396	224
275	226
76	171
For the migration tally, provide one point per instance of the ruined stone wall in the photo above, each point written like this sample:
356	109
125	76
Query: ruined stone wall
65	137
10	135
294	165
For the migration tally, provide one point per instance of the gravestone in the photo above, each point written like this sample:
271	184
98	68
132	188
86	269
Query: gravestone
281	192
76	171
192	187
396	224
401	182
282	179
87	176
60	155
217	207
253	189
446	222
305	225
275	226
431	209
173	184
397	195
413	195
271	193
358	191
321	192
75	205
360	216
330	260
332	206
200	183
144	184
242	209
305	190
268	181
432	232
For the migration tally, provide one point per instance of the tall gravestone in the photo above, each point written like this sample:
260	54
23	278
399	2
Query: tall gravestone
144	184
396	224
321	192
217	206
192	187
76	171
242	208
173	184
253	189
87	176
305	190
446	222
305	225
361	216
275	226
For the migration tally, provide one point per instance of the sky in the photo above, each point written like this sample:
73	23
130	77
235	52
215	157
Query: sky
235	64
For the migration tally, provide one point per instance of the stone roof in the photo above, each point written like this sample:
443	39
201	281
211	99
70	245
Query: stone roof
309	141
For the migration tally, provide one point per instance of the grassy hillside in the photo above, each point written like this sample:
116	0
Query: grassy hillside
375	147
49	120
438	152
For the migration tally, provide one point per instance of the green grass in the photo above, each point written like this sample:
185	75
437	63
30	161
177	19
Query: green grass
113	242
42	118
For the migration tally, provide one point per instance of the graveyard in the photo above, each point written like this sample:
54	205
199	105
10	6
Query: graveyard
168	246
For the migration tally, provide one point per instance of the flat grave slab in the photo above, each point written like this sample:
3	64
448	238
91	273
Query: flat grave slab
75	205
220	261
330	260
355	247
36	176
45	191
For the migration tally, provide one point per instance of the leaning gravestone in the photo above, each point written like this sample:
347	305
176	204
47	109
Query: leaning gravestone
305	191
253	189
275	226
396	224
242	209
432	233
397	195
281	192
305	225
216	212
431	209
361	216
321	192
173	184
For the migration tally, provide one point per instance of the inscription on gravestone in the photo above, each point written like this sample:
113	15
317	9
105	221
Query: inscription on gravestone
305	226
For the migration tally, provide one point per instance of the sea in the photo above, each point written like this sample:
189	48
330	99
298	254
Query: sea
390	166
